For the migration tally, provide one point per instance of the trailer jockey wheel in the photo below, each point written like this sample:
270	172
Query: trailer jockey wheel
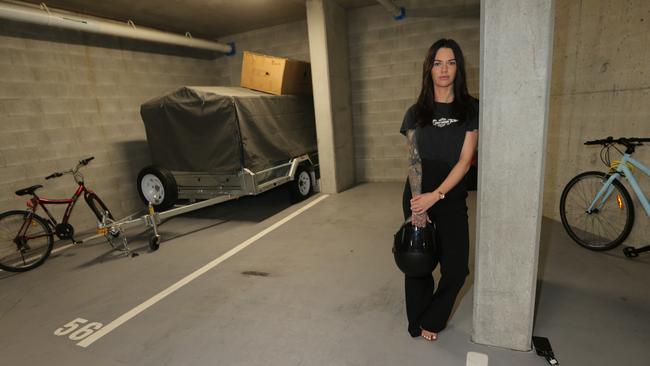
158	186
302	185
154	242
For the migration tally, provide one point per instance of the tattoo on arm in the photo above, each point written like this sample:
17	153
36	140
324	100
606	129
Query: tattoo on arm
415	165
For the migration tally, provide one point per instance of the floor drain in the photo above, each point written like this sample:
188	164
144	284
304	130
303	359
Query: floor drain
255	273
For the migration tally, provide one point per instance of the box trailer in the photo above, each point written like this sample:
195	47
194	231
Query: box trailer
207	142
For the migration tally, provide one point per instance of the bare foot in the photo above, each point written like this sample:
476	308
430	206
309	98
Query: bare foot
429	336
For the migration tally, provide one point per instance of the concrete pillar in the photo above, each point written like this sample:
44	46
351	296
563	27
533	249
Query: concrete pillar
516	50
328	52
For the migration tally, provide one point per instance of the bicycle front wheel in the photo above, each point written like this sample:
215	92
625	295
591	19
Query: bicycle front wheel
105	217
100	210
611	220
25	241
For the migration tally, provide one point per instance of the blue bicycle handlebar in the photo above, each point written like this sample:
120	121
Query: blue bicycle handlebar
623	141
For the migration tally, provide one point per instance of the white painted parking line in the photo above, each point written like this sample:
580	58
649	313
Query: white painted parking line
476	359
61	248
187	279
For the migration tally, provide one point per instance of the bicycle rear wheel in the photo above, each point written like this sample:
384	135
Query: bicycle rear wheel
605	227
25	241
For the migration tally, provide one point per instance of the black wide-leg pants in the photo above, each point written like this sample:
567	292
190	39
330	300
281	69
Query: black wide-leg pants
426	307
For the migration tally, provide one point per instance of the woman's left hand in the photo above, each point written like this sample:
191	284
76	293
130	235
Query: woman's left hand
420	204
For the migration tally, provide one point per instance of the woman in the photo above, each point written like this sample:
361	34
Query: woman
442	134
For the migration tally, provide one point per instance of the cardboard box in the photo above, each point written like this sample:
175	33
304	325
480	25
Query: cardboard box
275	75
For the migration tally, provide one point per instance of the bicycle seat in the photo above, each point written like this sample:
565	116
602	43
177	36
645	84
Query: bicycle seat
28	190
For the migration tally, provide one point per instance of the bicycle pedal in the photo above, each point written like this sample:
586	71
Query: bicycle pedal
134	254
630	252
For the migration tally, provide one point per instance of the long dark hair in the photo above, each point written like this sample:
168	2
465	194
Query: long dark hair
425	105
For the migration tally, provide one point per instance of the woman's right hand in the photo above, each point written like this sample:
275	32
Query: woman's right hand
420	220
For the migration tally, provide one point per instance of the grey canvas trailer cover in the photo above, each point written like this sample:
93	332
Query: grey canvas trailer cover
207	142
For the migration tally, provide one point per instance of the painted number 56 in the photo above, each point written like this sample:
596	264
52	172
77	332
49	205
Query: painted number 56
75	334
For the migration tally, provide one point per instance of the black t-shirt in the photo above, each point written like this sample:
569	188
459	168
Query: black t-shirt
442	138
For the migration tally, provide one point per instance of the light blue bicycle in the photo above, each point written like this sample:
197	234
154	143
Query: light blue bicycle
596	208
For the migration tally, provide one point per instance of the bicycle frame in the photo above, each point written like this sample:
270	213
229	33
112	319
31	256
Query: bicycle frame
36	201
623	170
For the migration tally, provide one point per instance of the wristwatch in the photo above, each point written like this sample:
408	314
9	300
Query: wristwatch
441	195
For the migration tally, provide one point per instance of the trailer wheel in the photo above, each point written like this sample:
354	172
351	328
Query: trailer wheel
158	186
302	186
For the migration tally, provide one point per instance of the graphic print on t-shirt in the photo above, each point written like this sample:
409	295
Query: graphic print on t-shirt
442	122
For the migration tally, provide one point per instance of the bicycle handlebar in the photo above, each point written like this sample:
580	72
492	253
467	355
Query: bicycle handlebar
54	175
83	162
623	141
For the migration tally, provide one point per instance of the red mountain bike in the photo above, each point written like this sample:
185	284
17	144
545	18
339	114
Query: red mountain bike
26	238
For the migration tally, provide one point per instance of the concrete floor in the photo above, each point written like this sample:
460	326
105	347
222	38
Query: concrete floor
321	289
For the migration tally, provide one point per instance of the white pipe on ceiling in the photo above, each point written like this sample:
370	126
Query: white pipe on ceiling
398	12
45	16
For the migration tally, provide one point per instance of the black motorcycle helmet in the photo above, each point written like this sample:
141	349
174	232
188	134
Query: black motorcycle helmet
415	250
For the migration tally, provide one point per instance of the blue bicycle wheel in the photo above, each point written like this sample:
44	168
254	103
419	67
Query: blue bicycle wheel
608	224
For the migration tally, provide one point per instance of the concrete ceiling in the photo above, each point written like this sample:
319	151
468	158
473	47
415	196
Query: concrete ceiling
202	18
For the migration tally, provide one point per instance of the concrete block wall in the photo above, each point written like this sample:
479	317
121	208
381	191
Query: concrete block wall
600	87
65	96
386	59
